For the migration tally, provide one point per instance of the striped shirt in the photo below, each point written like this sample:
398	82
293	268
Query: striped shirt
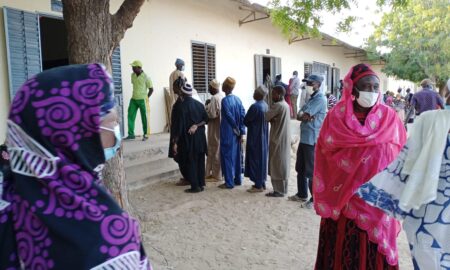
331	101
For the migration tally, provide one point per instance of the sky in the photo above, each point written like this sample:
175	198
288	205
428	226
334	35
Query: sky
366	12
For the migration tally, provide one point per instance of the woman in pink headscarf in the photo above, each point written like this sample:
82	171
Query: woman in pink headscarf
359	138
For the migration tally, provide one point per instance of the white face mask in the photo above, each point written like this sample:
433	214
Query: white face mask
367	99
309	90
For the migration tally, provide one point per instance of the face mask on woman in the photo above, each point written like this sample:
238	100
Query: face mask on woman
110	152
367	99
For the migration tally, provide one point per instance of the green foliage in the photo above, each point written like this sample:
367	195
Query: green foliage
304	17
413	40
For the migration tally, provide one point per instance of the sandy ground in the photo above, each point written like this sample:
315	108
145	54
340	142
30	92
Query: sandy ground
230	229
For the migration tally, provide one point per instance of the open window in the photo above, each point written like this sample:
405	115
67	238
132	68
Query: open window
53	42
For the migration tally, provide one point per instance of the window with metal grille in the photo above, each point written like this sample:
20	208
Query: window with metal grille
203	65
307	69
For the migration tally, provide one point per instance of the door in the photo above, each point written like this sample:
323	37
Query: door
335	80
322	70
259	72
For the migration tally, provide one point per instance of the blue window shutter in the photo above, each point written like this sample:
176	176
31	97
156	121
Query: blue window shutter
116	70
23	46
116	67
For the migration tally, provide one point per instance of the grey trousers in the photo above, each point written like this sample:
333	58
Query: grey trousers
280	186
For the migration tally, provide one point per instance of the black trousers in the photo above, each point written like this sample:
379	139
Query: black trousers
304	166
194	170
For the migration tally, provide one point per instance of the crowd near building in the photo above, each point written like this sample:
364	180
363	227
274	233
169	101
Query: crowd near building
218	39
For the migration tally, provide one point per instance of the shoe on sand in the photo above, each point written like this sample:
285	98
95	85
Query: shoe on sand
296	198
224	186
211	179
182	183
307	205
190	190
255	190
275	194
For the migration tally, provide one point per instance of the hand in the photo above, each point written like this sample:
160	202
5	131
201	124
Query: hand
207	102
149	94
192	130
306	117
299	115
241	139
175	149
5	155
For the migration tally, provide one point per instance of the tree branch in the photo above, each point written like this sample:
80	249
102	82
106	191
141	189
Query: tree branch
123	19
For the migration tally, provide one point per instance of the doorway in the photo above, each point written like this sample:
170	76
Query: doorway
267	72
53	42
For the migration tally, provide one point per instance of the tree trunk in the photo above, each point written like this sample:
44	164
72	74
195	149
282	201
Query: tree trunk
92	35
440	84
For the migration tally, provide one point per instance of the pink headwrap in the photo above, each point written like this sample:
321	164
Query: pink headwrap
348	155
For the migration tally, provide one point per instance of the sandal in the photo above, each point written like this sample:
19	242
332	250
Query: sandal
255	190
264	186
274	194
182	183
224	186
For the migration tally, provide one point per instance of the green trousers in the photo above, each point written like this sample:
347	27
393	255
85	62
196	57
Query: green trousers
135	105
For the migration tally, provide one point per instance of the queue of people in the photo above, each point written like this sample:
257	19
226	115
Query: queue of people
344	158
362	174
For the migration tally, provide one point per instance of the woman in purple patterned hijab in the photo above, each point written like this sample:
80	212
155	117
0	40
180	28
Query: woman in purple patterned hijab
55	212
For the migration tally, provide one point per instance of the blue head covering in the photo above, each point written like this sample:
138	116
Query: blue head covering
179	62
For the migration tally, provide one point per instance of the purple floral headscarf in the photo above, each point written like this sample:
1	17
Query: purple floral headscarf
60	215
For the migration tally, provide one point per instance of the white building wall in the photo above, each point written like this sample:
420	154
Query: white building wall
164	30
215	22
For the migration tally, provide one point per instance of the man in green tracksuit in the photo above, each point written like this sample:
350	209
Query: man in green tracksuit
139	101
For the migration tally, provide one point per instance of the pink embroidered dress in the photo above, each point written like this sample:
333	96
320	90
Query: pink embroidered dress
348	154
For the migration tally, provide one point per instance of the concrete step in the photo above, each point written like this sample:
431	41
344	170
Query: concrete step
141	176
156	147
148	163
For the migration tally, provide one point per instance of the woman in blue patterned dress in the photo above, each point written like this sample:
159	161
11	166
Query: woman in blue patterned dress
415	188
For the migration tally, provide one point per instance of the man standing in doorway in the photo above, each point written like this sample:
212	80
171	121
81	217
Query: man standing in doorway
279	143
294	86
231	131
139	100
312	116
213	106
